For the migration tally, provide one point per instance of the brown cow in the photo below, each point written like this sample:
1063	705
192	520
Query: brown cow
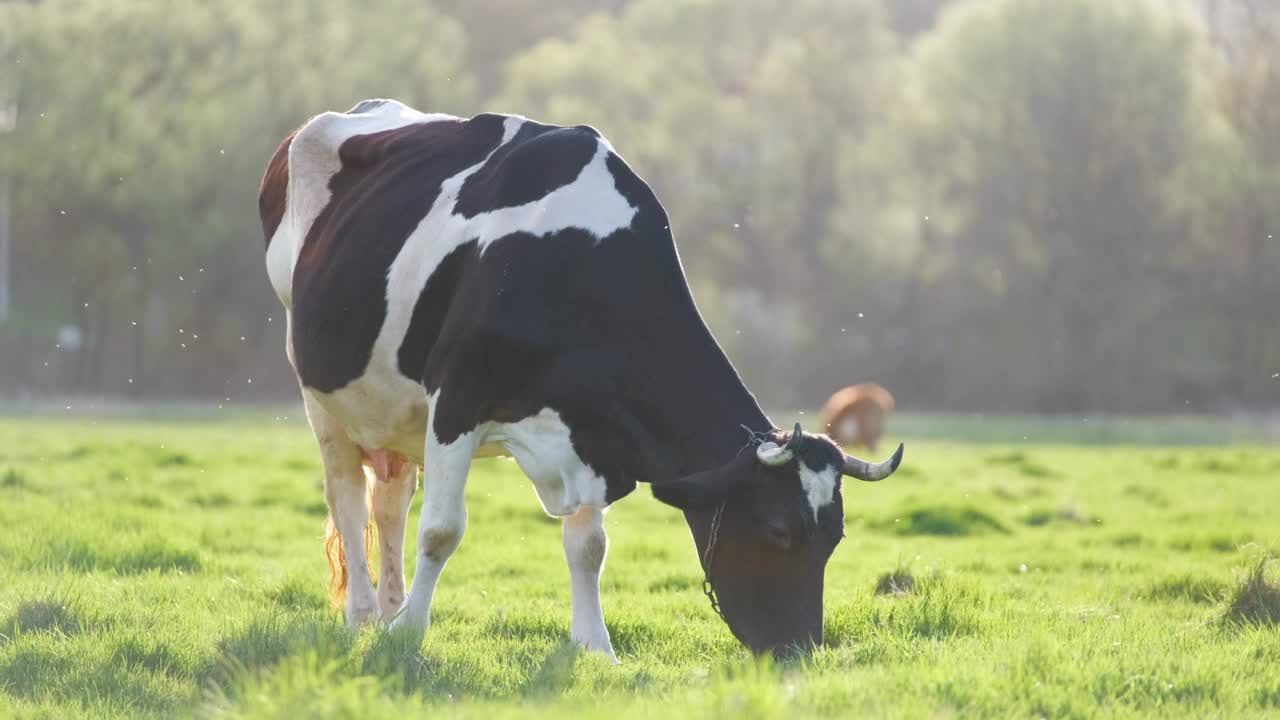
856	415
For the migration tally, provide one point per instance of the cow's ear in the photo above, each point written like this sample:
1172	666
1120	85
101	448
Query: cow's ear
704	490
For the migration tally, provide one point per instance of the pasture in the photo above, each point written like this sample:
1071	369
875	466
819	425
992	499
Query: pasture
159	569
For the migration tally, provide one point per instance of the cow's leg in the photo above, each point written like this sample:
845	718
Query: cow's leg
391	497
345	492
441	525
585	544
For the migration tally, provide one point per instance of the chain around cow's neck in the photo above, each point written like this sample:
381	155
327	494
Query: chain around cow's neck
707	559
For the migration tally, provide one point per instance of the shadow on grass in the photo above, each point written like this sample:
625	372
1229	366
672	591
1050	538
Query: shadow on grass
266	641
941	520
52	613
54	650
555	675
12	479
1186	588
128	559
1023	463
298	592
1064	515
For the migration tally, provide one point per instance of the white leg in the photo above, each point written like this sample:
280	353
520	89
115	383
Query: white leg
391	499
441	525
585	545
345	492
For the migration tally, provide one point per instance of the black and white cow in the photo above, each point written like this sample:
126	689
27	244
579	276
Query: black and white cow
459	288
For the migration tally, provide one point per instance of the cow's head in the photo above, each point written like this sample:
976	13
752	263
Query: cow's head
765	525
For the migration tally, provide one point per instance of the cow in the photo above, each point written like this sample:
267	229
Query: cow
494	286
856	415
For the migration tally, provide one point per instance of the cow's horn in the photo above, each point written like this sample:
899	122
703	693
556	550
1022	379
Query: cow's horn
796	436
862	470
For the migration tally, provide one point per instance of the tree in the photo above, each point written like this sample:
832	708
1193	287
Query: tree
1047	163
1233	190
731	111
135	185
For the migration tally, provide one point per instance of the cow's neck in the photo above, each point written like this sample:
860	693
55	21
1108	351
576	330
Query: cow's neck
695	408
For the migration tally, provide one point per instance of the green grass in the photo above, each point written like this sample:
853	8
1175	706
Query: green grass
160	569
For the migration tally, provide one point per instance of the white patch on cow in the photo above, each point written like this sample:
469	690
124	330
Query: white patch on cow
313	161
438	234
590	202
280	256
819	486
540	444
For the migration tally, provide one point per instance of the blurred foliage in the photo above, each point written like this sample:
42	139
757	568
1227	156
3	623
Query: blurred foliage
1049	205
143	131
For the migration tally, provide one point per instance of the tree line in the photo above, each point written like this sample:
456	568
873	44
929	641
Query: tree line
996	205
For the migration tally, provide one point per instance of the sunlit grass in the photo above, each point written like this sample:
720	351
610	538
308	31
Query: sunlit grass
154	569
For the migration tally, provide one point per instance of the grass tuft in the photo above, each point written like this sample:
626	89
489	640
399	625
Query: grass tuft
315	507
1256	599
896	582
675	583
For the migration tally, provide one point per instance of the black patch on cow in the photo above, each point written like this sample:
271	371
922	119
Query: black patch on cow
817	453
538	160
630	186
532	325
430	311
387	183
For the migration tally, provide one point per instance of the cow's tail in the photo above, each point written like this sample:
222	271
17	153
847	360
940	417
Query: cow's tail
337	557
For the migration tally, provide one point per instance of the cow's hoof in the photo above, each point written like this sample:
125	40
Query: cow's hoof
605	649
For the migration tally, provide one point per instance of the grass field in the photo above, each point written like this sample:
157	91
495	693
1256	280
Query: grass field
175	569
